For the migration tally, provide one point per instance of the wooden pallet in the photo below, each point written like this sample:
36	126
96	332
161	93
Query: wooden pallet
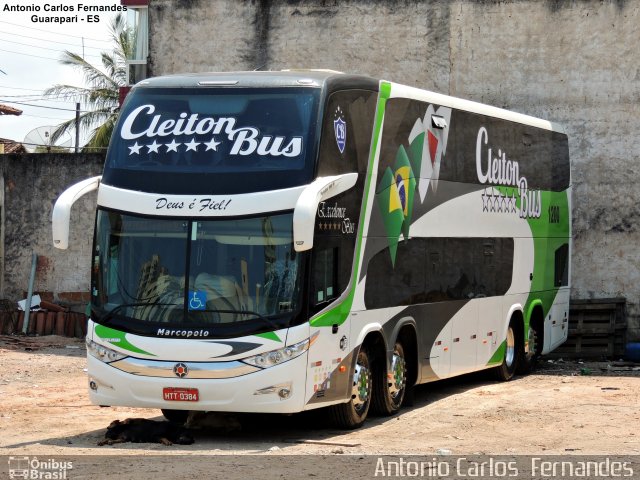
597	328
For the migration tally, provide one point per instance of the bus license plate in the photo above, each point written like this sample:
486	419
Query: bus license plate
180	394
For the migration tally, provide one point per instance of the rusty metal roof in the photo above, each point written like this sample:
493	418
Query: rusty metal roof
7	110
12	147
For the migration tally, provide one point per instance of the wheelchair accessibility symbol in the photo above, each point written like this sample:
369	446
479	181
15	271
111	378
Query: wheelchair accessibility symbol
197	300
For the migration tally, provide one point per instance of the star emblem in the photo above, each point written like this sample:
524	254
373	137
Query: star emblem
181	370
212	145
173	146
192	145
135	148
485	207
153	147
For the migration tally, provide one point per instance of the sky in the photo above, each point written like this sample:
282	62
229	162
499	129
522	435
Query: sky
29	57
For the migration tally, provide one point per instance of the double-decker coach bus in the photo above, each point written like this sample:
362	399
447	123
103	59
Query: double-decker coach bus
284	241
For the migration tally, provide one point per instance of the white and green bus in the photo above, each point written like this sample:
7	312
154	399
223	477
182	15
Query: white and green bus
285	241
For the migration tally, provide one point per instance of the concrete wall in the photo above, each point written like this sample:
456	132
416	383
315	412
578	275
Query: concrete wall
573	62
32	183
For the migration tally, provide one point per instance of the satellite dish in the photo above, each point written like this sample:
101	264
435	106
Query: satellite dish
39	140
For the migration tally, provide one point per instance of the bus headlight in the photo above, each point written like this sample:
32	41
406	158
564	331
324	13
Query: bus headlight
276	357
103	353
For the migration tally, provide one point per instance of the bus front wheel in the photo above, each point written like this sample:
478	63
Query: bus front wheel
176	416
507	369
390	386
352	414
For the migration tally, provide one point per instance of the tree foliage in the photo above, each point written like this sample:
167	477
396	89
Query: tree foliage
99	99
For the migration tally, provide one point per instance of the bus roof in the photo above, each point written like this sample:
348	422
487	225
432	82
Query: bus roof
284	78
331	80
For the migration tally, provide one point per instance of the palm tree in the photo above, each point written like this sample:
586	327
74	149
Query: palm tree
100	100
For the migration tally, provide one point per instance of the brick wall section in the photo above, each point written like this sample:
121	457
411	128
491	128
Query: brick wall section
575	63
32	183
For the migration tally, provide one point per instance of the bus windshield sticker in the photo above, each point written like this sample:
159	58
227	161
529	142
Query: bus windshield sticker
197	300
340	129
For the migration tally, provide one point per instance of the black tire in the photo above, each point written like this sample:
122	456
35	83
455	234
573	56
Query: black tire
529	361
175	416
507	368
389	388
352	414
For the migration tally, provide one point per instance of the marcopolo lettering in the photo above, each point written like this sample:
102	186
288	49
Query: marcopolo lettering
246	140
165	332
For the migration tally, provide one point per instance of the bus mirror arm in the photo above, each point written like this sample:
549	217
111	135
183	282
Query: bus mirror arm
62	210
304	214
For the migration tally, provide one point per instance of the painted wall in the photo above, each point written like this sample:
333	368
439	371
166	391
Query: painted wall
32	183
573	62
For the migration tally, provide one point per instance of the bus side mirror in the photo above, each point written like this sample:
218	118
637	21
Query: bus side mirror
304	214
62	210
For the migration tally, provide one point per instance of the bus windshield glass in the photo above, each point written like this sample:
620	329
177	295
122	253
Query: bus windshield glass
230	277
215	130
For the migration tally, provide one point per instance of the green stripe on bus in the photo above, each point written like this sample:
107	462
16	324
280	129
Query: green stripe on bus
338	314
269	336
118	338
498	355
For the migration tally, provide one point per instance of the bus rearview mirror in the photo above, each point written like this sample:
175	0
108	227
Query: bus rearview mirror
62	210
304	214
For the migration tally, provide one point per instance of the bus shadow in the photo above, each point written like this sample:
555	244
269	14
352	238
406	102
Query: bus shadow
259	433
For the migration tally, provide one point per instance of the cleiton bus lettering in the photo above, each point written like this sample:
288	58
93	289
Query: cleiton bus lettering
246	140
498	170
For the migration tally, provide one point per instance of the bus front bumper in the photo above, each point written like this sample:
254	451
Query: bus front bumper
278	389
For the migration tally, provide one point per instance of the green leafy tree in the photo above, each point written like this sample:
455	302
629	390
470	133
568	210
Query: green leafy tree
99	100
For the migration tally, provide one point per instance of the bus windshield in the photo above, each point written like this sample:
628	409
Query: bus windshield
231	277
170	134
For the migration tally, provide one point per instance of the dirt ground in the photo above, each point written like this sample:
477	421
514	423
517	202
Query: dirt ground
564	408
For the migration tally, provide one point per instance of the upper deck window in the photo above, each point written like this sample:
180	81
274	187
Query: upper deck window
167	131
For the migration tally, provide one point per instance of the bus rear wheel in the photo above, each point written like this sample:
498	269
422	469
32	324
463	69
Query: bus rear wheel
390	386
529	360
507	368
352	414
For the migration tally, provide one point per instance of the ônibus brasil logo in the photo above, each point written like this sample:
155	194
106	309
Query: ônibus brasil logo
32	467
200	134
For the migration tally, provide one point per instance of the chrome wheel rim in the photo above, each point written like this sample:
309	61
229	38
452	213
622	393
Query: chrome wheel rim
398	375
511	348
361	387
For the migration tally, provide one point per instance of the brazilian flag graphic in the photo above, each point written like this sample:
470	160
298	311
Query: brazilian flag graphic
395	193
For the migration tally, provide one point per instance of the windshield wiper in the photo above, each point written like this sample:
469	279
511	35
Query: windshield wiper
111	313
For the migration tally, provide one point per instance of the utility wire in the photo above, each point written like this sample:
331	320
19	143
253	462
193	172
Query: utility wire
28	55
48	118
52	41
40	98
20	88
55	33
51	108
46	48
